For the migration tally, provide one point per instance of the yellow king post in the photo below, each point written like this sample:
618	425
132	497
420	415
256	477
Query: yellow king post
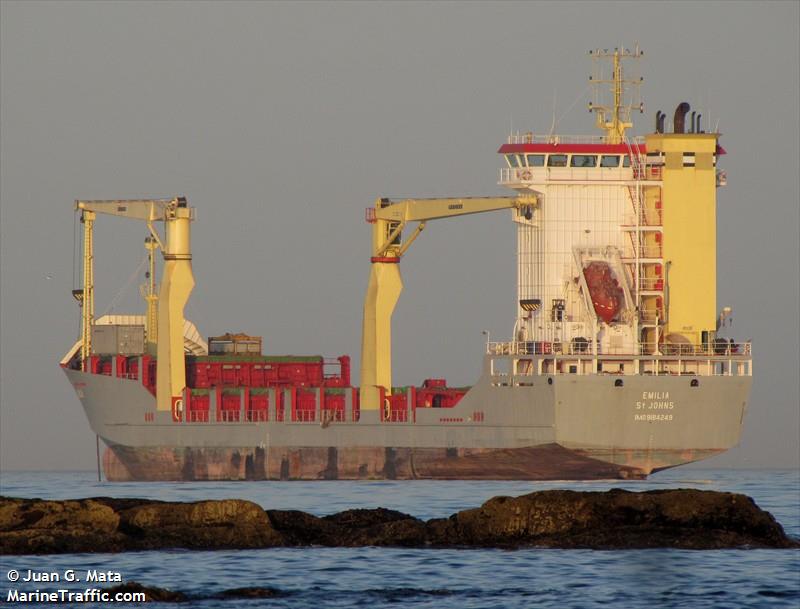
176	286
389	218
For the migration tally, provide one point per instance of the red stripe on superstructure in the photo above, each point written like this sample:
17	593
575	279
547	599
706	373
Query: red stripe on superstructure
567	148
580	148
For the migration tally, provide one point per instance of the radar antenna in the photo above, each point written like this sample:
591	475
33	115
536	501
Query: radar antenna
614	98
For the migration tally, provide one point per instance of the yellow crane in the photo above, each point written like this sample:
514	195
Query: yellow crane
389	219
176	285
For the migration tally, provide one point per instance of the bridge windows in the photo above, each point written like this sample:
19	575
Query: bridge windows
575	160
583	160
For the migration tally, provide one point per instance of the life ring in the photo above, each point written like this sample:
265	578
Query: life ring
177	409
525	175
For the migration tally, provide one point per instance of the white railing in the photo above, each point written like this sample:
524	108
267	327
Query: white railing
532	138
651	284
651	173
651	218
645	251
519	348
718	348
647	316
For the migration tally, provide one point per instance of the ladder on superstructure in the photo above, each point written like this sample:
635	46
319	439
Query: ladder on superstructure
645	261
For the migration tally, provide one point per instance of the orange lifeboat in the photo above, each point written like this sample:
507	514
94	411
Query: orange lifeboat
604	290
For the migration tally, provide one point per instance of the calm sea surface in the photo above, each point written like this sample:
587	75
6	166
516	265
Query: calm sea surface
442	579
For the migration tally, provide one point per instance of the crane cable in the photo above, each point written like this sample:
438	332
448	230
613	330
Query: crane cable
124	288
568	110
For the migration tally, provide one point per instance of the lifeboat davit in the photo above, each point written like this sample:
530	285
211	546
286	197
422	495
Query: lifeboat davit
604	290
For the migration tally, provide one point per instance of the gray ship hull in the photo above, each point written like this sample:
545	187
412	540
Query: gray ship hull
551	427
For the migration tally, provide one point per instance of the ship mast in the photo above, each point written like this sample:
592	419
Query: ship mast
614	98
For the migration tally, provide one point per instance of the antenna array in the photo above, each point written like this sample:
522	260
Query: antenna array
615	95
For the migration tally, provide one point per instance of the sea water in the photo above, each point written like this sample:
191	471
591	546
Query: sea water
443	579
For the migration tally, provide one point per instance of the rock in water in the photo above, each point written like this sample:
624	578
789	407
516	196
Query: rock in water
35	526
230	523
679	518
351	528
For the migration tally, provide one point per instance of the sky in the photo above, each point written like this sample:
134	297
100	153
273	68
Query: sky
282	122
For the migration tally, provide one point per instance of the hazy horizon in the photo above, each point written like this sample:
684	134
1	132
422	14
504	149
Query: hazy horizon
281	122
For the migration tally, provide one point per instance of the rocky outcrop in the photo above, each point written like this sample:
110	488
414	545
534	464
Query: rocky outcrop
681	518
34	526
352	528
230	523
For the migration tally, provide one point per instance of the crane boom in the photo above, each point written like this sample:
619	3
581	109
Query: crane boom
411	210
148	210
176	285
389	219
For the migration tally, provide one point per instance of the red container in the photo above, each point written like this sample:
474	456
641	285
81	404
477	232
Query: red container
228	375
105	367
230	406
279	405
258	407
398	408
305	405
333	407
197	408
133	367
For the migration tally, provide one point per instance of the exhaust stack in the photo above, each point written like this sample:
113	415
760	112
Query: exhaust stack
680	117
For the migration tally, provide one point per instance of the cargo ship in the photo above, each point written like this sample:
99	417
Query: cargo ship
617	365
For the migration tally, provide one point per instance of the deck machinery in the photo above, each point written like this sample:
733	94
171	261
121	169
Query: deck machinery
616	366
